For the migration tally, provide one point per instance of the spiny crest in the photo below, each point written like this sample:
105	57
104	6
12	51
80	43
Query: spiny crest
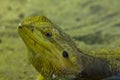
39	19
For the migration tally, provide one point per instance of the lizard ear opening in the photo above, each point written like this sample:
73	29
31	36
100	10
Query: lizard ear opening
65	54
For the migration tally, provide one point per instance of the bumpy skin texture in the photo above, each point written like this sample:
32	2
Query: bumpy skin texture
54	54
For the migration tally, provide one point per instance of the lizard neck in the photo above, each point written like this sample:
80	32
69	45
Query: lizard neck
93	66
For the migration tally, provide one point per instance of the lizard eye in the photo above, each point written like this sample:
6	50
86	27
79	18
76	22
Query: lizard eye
48	34
65	54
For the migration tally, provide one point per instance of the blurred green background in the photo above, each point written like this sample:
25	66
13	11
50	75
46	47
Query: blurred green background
94	25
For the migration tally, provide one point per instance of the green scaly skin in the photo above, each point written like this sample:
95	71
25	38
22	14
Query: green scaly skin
46	43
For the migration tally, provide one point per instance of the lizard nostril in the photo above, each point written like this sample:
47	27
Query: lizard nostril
20	26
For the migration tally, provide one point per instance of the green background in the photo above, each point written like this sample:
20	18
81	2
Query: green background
94	25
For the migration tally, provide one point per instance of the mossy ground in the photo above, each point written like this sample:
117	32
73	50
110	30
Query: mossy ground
93	24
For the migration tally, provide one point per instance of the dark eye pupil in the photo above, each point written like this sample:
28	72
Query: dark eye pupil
48	34
65	54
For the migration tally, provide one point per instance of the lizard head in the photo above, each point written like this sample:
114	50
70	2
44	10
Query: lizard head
52	50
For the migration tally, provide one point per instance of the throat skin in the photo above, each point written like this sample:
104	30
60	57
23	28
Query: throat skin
94	68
